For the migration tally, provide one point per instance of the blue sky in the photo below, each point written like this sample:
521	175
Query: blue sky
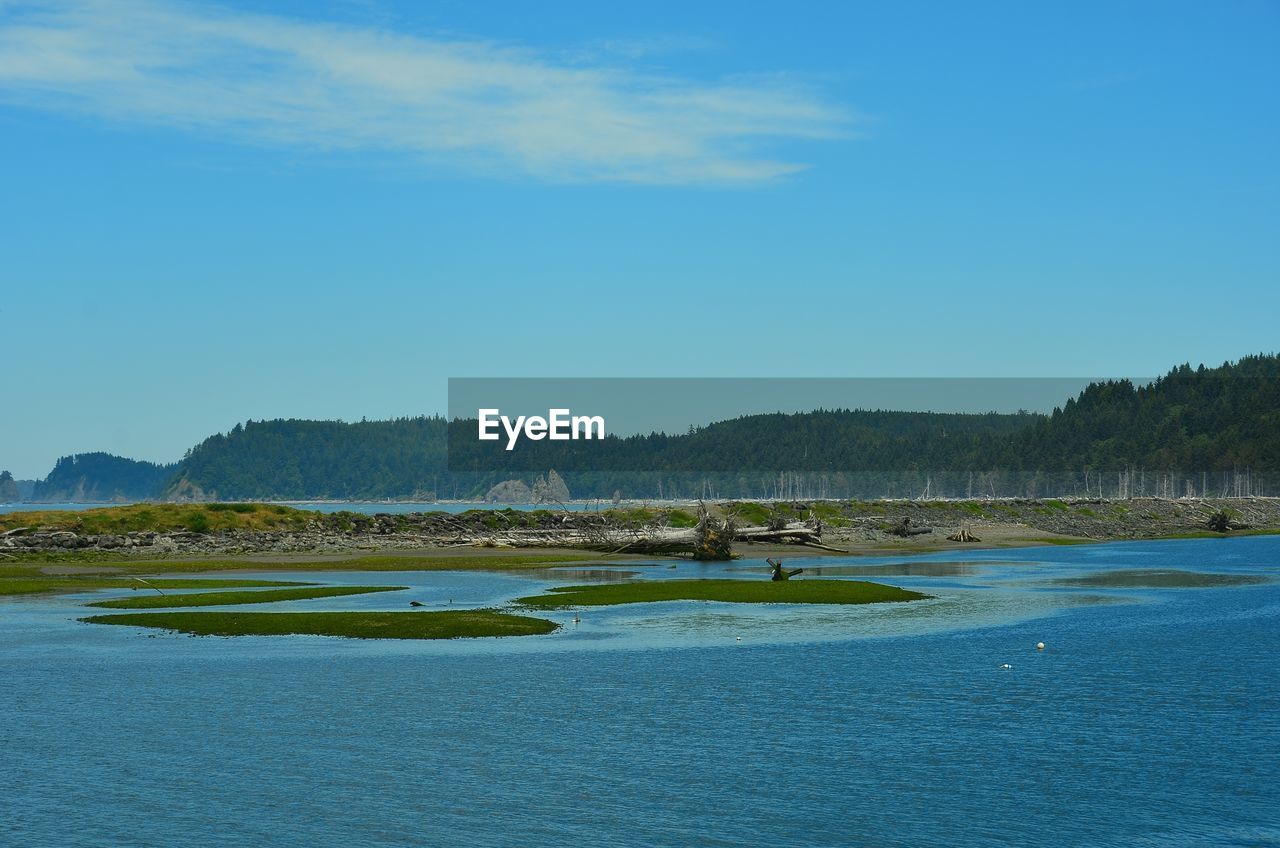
218	211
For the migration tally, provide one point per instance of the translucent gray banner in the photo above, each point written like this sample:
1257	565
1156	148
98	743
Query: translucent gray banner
666	425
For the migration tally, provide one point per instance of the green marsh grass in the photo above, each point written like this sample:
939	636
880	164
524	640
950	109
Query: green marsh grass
729	591
202	518
219	599
452	624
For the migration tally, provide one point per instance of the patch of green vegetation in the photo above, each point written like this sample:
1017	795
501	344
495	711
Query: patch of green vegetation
1055	504
202	518
66	555
636	516
831	513
451	624
974	508
749	513
787	511
728	591
642	516
681	518
242	508
1086	511
1160	579
218	599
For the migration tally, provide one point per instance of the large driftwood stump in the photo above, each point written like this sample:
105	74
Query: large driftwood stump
714	537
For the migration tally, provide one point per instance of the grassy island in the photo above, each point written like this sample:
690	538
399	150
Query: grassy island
217	599
452	624
729	591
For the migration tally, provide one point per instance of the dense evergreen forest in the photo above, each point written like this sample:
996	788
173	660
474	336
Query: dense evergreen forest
1194	430
95	477
9	489
403	458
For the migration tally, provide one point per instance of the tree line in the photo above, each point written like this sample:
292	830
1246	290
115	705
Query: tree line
1115	437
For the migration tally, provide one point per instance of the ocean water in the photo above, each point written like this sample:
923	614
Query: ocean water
1152	718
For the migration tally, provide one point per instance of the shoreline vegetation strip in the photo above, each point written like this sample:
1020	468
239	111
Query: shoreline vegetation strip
257	596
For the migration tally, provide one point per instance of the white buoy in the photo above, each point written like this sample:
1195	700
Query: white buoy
1039	646
1006	665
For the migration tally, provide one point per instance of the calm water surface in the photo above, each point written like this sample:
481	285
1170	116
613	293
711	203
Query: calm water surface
1153	717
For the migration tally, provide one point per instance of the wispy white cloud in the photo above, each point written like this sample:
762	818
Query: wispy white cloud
456	103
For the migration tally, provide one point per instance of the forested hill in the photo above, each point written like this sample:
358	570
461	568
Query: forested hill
1192	420
407	458
101	477
821	440
293	459
1201	419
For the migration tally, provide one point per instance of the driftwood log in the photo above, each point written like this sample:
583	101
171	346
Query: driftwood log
905	528
712	538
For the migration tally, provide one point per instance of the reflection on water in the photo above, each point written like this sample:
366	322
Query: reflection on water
706	622
909	569
589	575
905	568
1154	578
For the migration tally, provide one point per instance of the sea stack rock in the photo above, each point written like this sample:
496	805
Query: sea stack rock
551	489
510	491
